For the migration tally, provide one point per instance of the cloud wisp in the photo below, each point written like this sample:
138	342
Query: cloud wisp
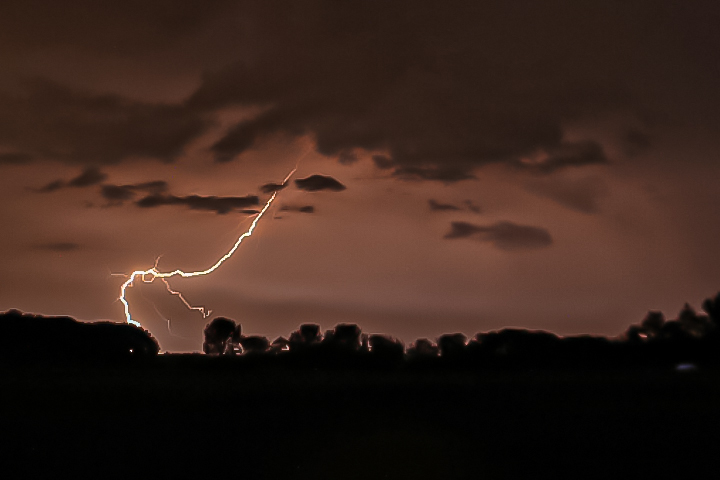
505	236
60	247
88	177
298	208
436	206
118	194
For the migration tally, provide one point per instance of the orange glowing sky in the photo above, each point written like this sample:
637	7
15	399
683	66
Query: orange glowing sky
548	167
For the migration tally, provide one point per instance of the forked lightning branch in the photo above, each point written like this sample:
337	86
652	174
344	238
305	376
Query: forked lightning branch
151	274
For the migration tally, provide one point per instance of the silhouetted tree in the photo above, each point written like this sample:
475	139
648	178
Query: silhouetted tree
694	324
218	336
280	344
254	344
652	324
423	348
513	347
52	338
635	334
673	330
712	307
234	347
452	345
307	335
585	351
344	337
386	349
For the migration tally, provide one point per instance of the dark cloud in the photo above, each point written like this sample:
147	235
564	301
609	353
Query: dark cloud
52	186
315	183
48	120
301	209
583	195
444	90
124	28
89	176
14	158
237	140
272	187
219	205
439	90
347	157
442	206
502	235
565	155
59	246
116	194
449	207
382	162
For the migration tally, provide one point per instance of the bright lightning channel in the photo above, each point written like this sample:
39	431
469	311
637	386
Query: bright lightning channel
151	274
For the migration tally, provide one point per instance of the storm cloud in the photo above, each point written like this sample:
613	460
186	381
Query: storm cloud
44	119
439	91
442	91
502	235
298	208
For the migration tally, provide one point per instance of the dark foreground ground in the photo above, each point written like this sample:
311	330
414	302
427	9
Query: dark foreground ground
184	416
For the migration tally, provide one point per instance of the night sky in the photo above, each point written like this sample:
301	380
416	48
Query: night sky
544	165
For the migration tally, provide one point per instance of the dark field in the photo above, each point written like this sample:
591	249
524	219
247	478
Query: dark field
183	416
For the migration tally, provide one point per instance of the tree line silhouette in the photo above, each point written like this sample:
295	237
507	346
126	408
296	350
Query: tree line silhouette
689	340
36	337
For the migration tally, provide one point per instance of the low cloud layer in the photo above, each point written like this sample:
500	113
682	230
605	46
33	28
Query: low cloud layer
440	91
502	235
443	91
221	205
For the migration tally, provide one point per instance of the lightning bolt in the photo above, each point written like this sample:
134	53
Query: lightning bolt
149	275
